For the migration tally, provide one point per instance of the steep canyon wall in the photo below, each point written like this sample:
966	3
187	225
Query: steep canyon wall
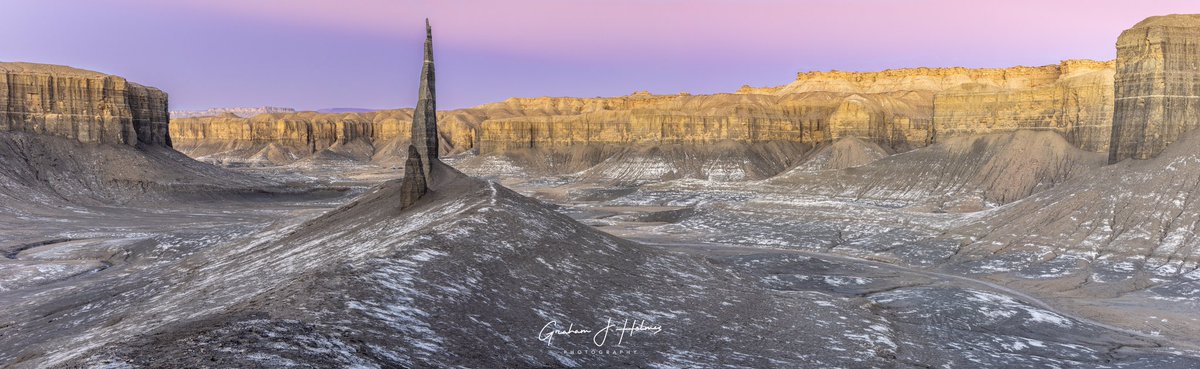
1157	85
897	109
1077	103
81	105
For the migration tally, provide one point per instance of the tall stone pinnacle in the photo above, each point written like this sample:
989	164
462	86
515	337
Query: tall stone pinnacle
424	125
423	149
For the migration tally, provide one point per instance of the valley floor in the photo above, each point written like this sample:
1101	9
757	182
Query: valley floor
923	304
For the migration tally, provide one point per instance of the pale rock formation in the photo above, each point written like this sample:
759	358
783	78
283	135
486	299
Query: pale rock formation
897	110
925	79
81	105
77	137
283	138
678	119
1077	103
1157	85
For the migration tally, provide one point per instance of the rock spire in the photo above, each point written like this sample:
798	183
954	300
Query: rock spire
423	149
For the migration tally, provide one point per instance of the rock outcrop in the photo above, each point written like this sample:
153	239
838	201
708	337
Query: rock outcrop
1157	85
900	109
82	105
1077	103
423	147
414	185
424	123
75	137
284	138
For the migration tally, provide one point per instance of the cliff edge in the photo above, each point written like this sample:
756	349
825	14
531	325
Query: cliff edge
82	105
1157	85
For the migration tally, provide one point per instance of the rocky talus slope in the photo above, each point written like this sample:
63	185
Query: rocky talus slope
1157	85
81	105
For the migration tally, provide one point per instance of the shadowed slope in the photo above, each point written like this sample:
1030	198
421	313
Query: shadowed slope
470	268
44	170
1139	211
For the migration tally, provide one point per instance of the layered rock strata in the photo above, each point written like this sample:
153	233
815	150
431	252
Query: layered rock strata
423	149
75	137
283	138
1157	85
424	123
1077	103
895	109
82	105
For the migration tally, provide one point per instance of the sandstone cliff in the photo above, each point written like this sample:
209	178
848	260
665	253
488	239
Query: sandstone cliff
70	137
82	105
924	79
1077	103
900	109
896	109
284	138
1157	85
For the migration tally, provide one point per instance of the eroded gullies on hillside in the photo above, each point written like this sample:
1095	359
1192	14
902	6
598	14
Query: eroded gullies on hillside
854	252
346	284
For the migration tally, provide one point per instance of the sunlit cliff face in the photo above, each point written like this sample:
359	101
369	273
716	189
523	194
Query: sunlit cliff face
276	53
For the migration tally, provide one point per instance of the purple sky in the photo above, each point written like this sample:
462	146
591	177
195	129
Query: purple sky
311	54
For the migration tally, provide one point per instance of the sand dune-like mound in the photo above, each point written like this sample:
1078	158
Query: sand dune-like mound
1110	241
1134	217
637	164
847	152
960	174
722	161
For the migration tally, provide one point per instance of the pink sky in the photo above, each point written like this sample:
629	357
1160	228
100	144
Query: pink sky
489	50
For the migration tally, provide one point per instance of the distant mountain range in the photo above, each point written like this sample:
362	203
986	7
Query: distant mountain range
245	112
345	110
241	112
